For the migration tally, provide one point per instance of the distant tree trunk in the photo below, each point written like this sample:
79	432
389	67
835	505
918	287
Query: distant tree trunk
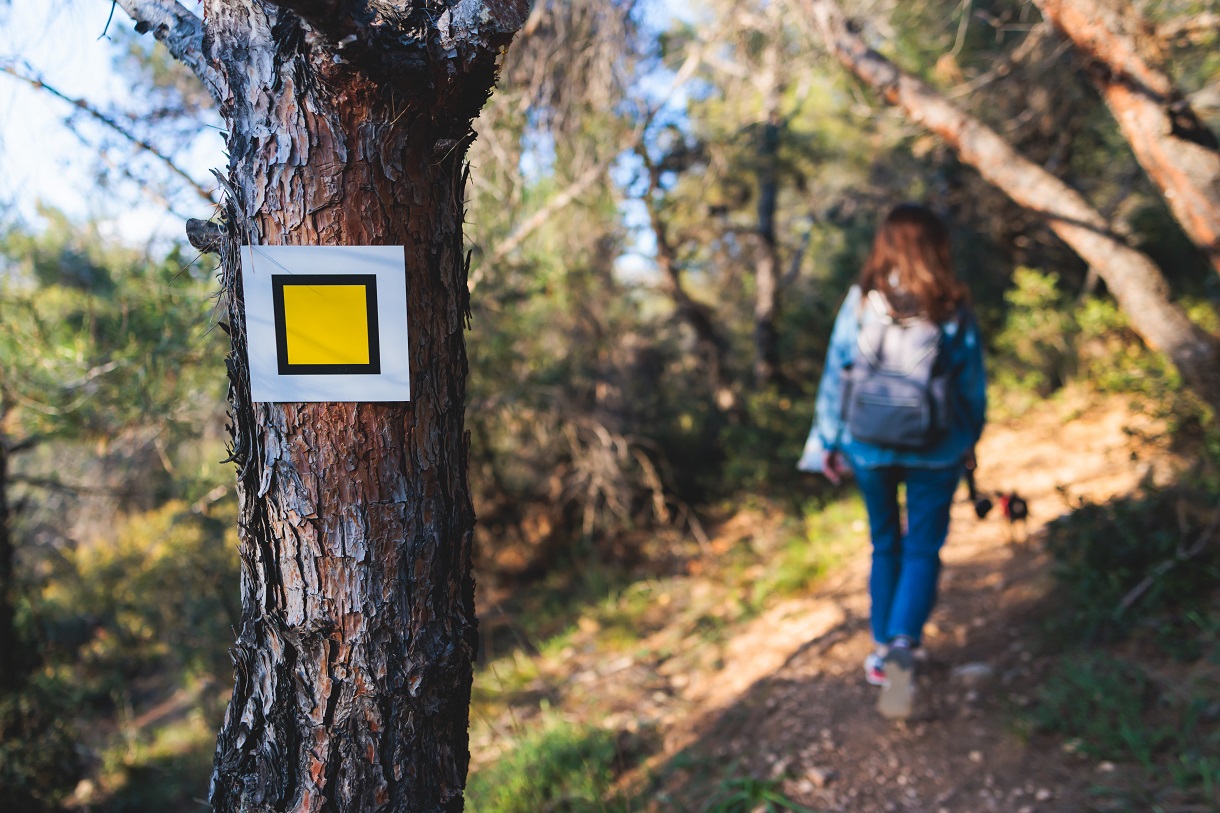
12	675
348	122
1174	147
766	272
1134	280
713	348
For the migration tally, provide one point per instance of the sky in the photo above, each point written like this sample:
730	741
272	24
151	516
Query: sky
42	160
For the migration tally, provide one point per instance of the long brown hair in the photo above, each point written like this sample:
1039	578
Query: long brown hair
910	265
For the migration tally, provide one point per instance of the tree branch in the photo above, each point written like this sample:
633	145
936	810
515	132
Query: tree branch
182	33
1182	554
85	107
587	178
1132	278
1169	139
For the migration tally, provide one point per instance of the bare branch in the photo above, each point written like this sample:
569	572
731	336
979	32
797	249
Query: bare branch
32	79
57	485
587	178
182	33
1182	554
535	221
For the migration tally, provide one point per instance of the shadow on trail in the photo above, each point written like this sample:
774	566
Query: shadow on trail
811	725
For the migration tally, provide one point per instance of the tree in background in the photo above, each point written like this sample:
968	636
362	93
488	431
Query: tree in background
1135	281
347	124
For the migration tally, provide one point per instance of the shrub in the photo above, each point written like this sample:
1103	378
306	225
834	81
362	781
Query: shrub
1103	552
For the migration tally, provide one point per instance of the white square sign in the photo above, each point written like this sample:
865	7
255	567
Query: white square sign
326	323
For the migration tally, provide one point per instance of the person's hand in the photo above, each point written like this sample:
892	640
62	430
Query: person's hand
970	461
833	467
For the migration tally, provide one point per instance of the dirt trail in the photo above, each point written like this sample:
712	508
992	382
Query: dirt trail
783	694
790	700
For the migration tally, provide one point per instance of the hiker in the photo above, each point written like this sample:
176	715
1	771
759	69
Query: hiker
902	400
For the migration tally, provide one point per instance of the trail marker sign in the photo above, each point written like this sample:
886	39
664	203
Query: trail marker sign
326	323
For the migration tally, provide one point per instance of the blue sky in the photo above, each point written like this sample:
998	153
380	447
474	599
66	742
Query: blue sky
41	160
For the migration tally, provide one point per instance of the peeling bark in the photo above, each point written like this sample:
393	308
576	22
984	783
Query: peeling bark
181	32
1175	148
1132	278
353	665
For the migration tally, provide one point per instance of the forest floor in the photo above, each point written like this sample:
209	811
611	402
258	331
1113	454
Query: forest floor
712	681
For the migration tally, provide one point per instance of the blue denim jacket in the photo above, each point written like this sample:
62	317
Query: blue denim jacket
970	391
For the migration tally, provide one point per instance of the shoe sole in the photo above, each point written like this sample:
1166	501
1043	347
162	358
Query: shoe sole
898	694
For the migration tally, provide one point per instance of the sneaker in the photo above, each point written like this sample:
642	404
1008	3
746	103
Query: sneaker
874	669
898	692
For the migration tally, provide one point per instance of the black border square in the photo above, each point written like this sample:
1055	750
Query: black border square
369	281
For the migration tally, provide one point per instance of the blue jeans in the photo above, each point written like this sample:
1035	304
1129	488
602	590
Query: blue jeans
902	584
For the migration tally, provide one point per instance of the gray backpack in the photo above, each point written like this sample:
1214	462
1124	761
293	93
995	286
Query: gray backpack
897	390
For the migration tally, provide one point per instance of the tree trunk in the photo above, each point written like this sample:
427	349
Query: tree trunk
1174	147
766	274
347	124
1134	280
13	674
713	348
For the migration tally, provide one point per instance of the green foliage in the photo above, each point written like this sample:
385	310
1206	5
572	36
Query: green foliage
96	338
829	533
1113	359
1048	339
760	450
162	767
126	569
1103	552
39	762
1101	701
158	595
1035	348
558	766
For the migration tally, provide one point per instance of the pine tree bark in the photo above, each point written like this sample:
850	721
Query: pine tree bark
1175	148
348	122
1132	278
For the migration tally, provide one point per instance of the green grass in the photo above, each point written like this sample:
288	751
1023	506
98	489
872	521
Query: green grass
743	794
1111	709
558	766
827	535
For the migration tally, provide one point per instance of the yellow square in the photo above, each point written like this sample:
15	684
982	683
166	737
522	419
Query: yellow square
326	324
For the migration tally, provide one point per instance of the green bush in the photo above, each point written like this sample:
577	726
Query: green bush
1103	552
39	764
1034	351
160	595
760	452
